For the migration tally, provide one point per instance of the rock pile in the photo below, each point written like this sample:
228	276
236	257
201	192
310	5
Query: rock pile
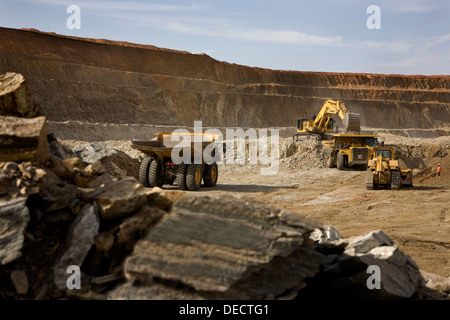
64	212
68	212
304	154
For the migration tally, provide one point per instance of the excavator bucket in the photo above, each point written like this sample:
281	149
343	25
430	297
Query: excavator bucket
352	122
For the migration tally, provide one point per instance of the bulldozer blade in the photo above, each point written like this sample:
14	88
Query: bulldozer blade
352	122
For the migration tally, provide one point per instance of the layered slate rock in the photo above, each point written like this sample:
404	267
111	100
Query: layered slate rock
14	217
222	248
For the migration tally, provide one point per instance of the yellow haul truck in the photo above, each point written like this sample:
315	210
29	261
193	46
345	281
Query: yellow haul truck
157	168
347	150
383	170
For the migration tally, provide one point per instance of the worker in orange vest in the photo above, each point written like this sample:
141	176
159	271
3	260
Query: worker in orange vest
438	171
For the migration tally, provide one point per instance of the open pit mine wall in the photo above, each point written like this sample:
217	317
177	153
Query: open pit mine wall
107	86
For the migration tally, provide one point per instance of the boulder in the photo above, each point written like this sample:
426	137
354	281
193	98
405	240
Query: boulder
58	149
61	168
79	241
120	198
15	98
94	168
370	266
91	152
222	248
23	139
138	225
58	196
163	199
100	181
14	217
326	234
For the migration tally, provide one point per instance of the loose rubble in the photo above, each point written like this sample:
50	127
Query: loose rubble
62	207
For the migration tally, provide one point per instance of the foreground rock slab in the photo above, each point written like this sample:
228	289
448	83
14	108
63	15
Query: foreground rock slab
222	248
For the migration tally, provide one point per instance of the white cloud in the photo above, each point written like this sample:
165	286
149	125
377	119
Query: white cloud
389	46
254	34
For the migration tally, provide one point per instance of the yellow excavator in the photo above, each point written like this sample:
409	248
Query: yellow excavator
323	123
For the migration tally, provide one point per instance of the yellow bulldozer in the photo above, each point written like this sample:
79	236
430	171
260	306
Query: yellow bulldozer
383	170
323	123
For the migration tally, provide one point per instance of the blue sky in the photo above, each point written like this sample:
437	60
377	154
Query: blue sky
321	35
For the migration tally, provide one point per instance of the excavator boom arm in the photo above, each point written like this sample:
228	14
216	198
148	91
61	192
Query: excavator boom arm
331	106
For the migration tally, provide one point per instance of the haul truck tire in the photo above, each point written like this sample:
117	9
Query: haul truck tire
155	177
330	161
340	161
210	175
143	171
194	176
181	176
